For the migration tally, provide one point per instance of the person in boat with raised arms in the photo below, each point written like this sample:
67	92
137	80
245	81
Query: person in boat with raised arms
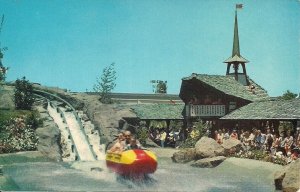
133	145
127	140
118	147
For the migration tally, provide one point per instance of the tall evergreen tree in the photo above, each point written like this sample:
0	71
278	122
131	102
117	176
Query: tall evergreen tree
106	83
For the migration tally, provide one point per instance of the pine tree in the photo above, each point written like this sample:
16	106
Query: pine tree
106	83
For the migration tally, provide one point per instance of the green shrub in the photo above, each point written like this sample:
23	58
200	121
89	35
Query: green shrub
199	131
23	96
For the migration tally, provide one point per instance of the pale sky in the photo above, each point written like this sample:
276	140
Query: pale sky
68	43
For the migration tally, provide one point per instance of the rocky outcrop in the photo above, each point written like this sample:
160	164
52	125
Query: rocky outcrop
288	179
184	156
231	146
6	97
49	137
107	118
208	147
209	162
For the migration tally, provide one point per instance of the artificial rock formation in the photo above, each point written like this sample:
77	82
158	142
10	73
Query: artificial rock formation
288	179
208	147
184	156
209	162
231	146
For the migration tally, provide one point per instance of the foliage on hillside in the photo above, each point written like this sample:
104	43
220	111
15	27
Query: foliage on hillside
194	134
17	130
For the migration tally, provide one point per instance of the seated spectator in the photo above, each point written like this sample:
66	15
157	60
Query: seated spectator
289	140
218	137
234	134
281	146
275	144
226	134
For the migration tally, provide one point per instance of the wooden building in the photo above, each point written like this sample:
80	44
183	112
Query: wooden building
266	113
211	97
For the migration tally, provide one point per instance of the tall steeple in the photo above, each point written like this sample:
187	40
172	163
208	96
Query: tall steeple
236	43
236	59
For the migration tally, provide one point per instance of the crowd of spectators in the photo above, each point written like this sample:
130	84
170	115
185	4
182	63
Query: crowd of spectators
285	144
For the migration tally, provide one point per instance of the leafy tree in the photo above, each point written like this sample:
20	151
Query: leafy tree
23	94
106	83
288	95
3	70
161	87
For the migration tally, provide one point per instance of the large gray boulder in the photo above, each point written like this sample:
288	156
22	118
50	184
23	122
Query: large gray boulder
209	162
291	181
184	156
288	179
49	141
208	147
231	146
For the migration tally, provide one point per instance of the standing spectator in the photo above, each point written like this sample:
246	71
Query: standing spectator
246	141
269	140
194	133
297	138
157	138
241	135
260	139
163	136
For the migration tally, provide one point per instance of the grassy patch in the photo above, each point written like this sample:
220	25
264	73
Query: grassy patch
6	115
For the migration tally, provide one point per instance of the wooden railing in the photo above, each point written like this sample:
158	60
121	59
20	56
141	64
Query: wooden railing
205	110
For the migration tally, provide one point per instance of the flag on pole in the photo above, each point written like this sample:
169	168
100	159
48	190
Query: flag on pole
239	6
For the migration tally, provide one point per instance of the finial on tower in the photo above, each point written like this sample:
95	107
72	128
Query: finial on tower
236	59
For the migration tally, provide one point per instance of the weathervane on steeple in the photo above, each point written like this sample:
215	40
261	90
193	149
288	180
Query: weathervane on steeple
236	59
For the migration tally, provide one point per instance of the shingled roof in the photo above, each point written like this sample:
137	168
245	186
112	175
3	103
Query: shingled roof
229	86
270	109
158	111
